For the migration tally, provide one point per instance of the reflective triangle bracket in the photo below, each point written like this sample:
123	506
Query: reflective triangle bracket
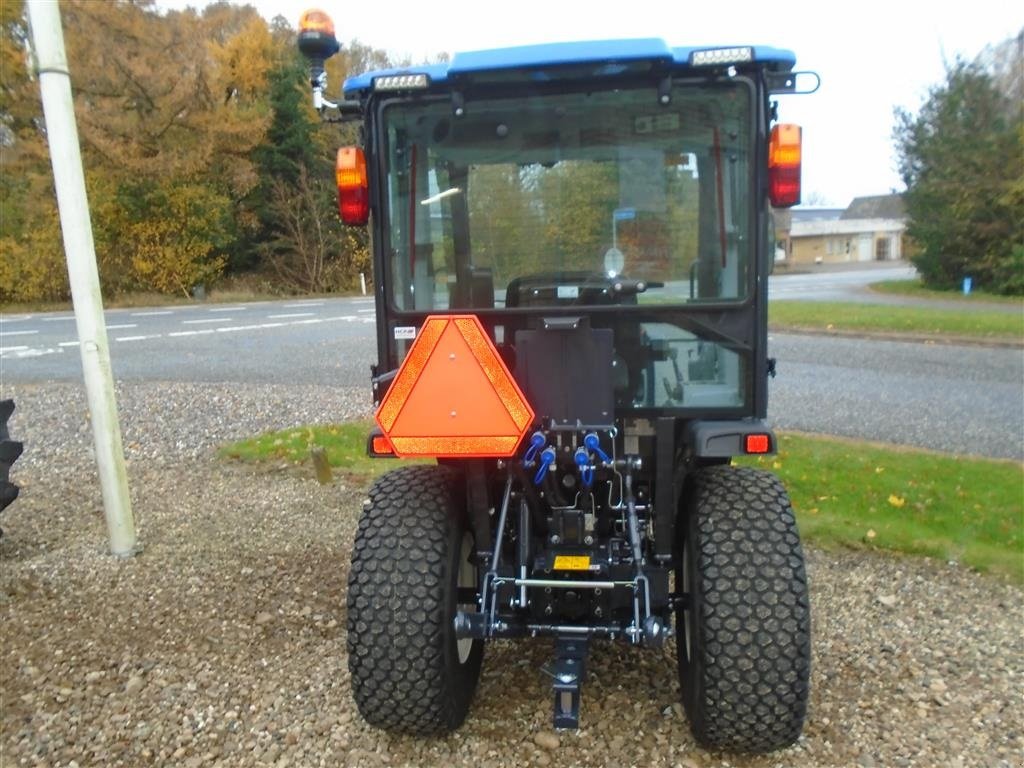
453	395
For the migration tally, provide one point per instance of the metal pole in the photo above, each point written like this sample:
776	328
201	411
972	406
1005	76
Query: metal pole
62	136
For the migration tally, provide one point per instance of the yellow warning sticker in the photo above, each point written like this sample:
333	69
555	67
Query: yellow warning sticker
572	562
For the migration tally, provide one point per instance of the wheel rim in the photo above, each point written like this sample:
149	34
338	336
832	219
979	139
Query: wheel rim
467	578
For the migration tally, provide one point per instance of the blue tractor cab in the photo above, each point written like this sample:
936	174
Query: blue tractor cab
571	248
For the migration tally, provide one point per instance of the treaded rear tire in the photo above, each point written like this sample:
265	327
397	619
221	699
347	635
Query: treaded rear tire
10	450
402	596
744	646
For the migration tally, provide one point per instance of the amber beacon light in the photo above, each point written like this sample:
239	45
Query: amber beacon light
316	40
316	34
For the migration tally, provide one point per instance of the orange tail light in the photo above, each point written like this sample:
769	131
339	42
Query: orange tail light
784	165
353	187
454	396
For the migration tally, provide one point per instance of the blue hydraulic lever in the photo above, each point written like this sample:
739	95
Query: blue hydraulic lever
547	458
593	442
537	441
582	459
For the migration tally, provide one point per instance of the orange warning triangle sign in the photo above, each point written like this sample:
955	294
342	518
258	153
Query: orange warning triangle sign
453	395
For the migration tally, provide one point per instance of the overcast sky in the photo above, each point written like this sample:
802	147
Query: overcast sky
872	56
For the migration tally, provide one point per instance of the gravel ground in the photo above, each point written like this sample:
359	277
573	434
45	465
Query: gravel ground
223	643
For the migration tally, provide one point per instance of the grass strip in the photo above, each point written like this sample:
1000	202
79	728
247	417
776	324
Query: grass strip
850	493
850	316
846	493
345	445
915	288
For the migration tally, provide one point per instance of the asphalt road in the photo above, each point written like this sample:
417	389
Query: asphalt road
828	283
957	399
962	399
317	341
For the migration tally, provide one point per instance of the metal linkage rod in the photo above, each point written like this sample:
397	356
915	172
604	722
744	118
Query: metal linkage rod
488	605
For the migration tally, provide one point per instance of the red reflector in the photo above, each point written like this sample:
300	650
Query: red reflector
381	445
784	149
784	186
353	188
758	444
453	395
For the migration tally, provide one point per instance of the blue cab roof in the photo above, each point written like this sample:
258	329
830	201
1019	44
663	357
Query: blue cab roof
654	50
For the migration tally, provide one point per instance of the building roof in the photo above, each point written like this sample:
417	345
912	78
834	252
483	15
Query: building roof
845	227
815	213
610	53
876	207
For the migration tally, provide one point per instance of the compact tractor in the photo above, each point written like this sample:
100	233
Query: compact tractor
571	247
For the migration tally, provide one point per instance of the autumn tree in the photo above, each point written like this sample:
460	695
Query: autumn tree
505	228
300	238
197	136
579	198
31	258
961	159
177	147
309	249
169	109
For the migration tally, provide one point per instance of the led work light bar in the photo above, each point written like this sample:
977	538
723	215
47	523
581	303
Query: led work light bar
713	57
400	82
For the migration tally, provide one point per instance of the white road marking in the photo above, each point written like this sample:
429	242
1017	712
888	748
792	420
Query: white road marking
126	325
256	327
193	333
303	304
208	320
153	314
227	309
231	328
57	319
17	333
24	351
20	352
294	314
15	319
366	310
363	301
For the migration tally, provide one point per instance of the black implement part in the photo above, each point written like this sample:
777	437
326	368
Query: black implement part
569	671
478	506
565	370
665	491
